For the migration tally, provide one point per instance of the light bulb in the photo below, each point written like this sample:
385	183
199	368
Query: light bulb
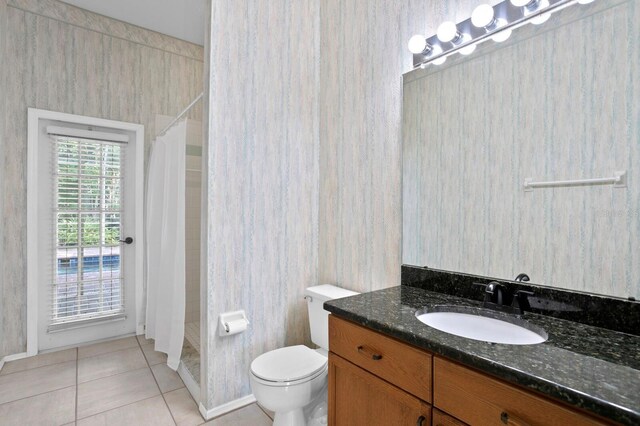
437	50
541	19
447	31
521	3
483	16
501	36
468	50
417	44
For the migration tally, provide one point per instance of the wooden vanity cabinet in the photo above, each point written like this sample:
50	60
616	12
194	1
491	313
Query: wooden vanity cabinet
478	399
378	380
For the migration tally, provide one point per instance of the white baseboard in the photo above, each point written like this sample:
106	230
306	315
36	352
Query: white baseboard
192	386
226	408
13	357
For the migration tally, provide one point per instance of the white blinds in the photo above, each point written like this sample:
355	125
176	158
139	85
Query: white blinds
86	283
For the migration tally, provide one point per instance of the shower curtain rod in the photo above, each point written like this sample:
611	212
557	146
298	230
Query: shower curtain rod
186	110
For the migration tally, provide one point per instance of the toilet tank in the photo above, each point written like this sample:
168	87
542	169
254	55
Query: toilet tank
318	317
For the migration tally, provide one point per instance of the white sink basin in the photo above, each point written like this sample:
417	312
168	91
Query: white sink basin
484	325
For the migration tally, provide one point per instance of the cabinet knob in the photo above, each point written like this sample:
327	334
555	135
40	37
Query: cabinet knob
421	420
374	356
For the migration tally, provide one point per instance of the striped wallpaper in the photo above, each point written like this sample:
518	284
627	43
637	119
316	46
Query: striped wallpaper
563	102
262	195
65	59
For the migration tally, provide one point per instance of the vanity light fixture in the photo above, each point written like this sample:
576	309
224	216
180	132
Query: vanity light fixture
448	33
486	23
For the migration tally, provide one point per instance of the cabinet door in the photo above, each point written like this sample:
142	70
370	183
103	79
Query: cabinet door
442	419
357	397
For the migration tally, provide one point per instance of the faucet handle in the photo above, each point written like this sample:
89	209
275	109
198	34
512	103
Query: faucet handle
521	301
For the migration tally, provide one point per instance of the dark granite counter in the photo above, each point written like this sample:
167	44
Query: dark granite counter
586	366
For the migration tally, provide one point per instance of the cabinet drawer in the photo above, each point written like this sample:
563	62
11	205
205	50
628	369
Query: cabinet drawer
398	363
481	400
357	397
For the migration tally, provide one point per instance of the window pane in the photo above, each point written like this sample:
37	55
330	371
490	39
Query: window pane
90	264
68	159
65	300
66	265
112	194
90	229
90	159
90	297
111	159
111	262
111	229
68	192
90	194
67	229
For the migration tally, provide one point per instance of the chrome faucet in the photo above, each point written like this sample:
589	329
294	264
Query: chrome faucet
494	293
498	297
522	278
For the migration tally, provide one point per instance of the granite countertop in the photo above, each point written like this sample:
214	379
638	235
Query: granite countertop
585	366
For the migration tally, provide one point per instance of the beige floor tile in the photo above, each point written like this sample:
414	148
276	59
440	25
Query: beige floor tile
32	382
183	407
143	340
106	347
112	392
39	361
251	415
268	412
167	379
152	412
52	408
97	367
152	356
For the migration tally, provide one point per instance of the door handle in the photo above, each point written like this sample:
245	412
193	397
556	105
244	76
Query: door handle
421	420
127	240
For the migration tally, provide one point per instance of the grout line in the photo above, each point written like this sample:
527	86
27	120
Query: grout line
77	388
36	368
38	394
105	353
157	384
116	408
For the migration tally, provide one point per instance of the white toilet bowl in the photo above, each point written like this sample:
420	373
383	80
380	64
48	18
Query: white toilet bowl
287	380
292	381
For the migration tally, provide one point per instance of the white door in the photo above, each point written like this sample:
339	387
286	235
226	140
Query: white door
87	233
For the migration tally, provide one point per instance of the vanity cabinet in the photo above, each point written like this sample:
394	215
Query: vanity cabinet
378	380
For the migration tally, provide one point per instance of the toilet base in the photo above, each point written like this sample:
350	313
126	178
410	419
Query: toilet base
290	418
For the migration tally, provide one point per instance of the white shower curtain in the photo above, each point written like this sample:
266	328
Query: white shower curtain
165	243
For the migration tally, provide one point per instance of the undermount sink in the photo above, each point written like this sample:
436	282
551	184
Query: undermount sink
482	324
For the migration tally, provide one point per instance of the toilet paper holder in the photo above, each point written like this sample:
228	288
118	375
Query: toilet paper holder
232	323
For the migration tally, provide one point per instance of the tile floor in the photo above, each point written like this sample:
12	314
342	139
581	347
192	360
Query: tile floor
121	382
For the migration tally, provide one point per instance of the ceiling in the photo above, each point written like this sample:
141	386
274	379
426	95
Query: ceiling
183	19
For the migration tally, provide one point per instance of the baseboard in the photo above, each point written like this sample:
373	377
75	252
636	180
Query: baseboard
13	357
192	386
226	408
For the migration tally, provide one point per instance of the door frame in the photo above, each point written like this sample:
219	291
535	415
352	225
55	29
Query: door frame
33	261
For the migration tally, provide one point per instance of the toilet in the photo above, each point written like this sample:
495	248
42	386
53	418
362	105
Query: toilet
292	381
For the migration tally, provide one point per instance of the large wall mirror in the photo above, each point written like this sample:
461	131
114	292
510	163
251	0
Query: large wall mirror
558	101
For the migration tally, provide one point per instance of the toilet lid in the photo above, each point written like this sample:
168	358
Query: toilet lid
288	364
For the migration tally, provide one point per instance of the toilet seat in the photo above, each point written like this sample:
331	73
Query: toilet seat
288	365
